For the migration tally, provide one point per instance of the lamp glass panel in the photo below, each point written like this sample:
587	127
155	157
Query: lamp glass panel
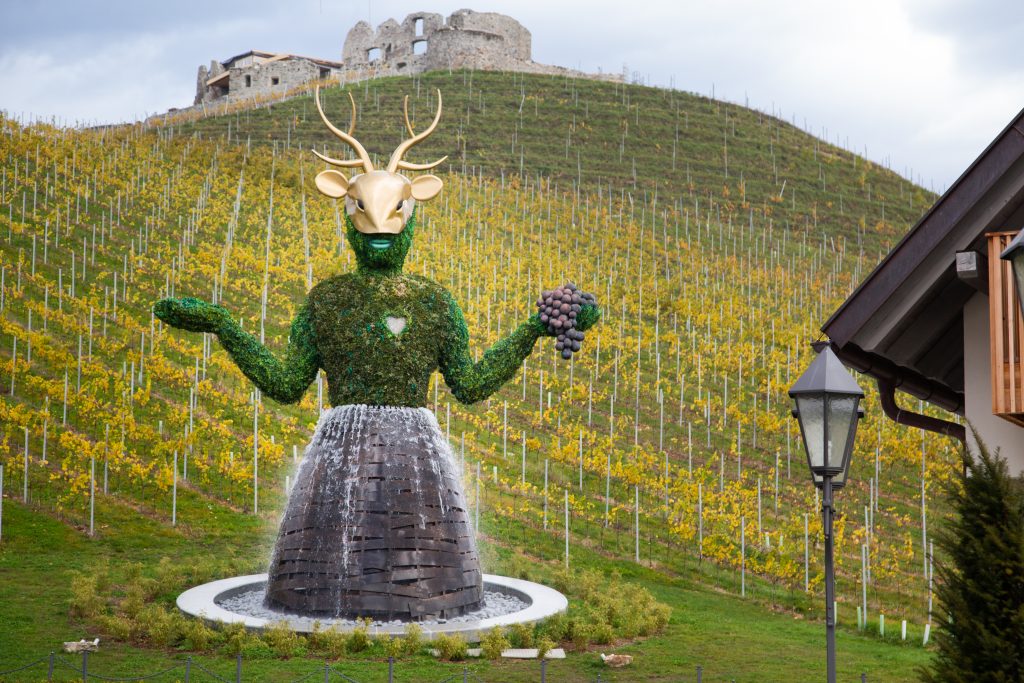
842	413
811	413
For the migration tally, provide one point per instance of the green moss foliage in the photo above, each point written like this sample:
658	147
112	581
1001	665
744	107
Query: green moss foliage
343	328
381	261
283	381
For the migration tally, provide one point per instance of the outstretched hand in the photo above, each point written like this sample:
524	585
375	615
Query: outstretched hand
566	312
194	315
587	317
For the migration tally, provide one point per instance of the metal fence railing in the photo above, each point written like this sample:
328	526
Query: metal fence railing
190	670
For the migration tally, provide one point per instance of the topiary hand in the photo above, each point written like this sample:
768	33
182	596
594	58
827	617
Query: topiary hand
588	316
566	313
194	315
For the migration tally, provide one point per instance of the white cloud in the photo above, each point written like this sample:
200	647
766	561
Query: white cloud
110	84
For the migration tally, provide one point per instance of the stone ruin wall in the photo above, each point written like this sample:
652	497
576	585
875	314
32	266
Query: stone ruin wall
423	41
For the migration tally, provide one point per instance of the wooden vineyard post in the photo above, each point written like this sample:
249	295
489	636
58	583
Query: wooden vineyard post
566	528
174	492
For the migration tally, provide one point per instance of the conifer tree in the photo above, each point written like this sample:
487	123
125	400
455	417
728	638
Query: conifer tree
980	585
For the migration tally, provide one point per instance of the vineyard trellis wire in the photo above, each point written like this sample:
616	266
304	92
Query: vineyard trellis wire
708	297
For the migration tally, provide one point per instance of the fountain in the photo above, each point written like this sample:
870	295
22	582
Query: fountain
377	525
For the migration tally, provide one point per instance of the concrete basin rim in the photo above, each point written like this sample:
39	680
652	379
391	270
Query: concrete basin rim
200	602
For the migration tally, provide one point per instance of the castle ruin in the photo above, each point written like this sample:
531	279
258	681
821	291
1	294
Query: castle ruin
426	42
423	41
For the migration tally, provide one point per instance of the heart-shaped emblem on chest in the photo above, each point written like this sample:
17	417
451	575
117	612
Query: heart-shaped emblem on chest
395	324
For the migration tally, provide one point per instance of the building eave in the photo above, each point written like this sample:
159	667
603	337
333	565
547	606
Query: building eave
904	323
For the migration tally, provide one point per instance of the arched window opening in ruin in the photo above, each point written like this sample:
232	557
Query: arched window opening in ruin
419	47
275	80
418	24
373	54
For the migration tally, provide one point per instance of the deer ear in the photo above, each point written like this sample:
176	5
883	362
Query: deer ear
332	183
426	187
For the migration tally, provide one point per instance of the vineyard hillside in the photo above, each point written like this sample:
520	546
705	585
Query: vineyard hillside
716	239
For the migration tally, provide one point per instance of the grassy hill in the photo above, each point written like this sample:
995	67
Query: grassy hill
596	133
715	237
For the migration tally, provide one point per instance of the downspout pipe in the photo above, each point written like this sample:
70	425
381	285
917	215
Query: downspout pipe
887	397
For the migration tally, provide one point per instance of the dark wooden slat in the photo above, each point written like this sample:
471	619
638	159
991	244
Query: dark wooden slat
377	524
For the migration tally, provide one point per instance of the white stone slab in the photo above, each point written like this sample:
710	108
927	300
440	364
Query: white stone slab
532	652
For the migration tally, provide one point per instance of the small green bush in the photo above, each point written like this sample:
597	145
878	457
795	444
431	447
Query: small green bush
391	645
359	638
118	627
520	635
197	635
556	628
283	641
581	636
601	633
255	647
329	642
544	646
168	576
451	647
160	626
494	643
235	638
86	601
412	643
132	603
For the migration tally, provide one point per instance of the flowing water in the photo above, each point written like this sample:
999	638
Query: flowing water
377	523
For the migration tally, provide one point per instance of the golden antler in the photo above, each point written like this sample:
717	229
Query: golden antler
405	110
364	158
396	162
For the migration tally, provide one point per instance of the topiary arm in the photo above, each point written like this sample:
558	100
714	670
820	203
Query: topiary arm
284	381
471	382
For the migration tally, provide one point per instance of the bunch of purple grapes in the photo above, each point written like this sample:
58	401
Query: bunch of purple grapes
558	310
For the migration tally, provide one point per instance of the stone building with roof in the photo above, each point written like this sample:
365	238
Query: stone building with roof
258	73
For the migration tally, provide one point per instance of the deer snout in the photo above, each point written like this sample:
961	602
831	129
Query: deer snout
380	202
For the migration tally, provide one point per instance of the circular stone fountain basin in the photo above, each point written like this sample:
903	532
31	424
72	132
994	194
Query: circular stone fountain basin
507	601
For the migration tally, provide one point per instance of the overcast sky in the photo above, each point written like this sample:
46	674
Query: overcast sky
924	84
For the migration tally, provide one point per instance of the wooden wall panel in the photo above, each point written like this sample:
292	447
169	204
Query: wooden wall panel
1006	332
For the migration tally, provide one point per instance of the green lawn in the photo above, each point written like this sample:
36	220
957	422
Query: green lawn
732	638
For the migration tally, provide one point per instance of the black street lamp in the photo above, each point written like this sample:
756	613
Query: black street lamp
1014	253
827	407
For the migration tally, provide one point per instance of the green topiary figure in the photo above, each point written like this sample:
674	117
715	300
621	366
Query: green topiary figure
379	334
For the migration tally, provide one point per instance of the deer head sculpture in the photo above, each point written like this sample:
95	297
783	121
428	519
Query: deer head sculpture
379	203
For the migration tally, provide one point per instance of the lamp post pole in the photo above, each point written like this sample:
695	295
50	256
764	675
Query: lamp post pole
827	399
830	587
